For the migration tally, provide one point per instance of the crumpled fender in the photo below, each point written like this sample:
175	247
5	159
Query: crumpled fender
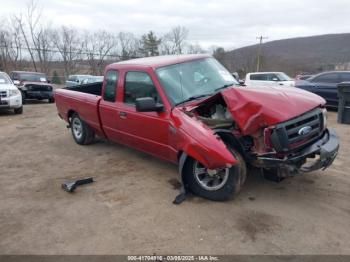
255	108
200	142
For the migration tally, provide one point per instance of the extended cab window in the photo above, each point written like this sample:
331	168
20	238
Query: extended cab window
111	86
137	85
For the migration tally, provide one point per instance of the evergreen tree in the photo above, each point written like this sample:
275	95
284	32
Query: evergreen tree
150	44
55	78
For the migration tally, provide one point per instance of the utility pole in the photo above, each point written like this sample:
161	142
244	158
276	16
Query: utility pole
261	38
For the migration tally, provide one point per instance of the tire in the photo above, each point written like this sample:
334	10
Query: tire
82	133
19	110
51	100
230	182
23	98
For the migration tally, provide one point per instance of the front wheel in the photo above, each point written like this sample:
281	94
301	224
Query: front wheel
218	185
19	110
82	133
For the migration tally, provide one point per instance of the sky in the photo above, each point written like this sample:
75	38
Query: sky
231	24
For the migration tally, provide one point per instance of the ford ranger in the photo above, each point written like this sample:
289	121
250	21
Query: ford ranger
191	111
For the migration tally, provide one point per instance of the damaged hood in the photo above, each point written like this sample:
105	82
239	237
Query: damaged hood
254	108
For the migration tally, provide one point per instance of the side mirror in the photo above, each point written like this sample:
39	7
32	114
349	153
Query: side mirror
49	81
147	104
241	82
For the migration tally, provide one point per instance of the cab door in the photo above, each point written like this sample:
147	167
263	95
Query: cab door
146	131
108	108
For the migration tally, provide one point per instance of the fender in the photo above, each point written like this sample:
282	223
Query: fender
200	142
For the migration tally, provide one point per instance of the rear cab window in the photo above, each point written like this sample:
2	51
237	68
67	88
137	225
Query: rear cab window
139	84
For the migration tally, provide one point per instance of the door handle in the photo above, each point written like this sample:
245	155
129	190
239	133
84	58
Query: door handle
123	115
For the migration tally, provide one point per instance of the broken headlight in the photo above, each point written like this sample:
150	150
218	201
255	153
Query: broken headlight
324	120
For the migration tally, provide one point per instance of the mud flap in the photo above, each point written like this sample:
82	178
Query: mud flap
184	189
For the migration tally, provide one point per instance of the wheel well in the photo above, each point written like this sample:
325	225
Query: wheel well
70	114
231	141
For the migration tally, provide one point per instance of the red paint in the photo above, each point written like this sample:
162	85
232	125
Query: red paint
171	132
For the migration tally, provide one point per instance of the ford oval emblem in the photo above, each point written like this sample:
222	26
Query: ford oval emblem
304	130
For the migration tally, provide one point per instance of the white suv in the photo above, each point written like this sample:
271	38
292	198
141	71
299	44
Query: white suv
10	96
268	79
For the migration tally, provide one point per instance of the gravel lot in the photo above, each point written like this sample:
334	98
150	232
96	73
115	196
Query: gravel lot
129	209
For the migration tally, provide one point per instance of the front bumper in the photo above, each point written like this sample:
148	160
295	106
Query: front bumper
323	152
38	94
11	102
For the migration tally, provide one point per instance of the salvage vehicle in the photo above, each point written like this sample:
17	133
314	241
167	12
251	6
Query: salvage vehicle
191	111
268	79
33	85
325	85
10	96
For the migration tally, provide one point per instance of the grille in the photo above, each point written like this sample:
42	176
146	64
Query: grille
287	136
3	94
38	88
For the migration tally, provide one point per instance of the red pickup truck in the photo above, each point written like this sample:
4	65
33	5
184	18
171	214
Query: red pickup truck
189	110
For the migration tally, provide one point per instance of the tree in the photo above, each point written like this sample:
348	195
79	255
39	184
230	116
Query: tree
129	45
69	45
98	46
174	41
150	44
37	37
55	78
10	45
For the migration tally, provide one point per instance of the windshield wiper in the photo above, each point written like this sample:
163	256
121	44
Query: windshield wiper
191	98
224	86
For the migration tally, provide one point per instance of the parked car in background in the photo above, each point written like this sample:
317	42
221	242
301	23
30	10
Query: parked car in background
74	80
92	79
10	96
302	77
33	85
325	85
190	110
268	79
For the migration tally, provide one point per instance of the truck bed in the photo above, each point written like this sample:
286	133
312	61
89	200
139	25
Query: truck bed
82	99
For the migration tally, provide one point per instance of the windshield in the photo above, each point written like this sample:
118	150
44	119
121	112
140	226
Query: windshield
284	77
198	78
32	77
4	79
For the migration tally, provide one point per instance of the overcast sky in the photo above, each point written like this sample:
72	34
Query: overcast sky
225	23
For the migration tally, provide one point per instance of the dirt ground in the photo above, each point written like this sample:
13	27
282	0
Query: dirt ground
129	210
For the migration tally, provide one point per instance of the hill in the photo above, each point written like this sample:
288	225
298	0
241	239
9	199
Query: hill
304	54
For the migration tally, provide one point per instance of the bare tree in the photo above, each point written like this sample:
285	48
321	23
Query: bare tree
69	45
98	46
129	45
194	49
174	41
10	45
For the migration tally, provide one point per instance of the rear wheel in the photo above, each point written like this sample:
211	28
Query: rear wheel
218	185
81	132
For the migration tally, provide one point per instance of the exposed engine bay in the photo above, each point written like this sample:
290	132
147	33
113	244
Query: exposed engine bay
215	114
